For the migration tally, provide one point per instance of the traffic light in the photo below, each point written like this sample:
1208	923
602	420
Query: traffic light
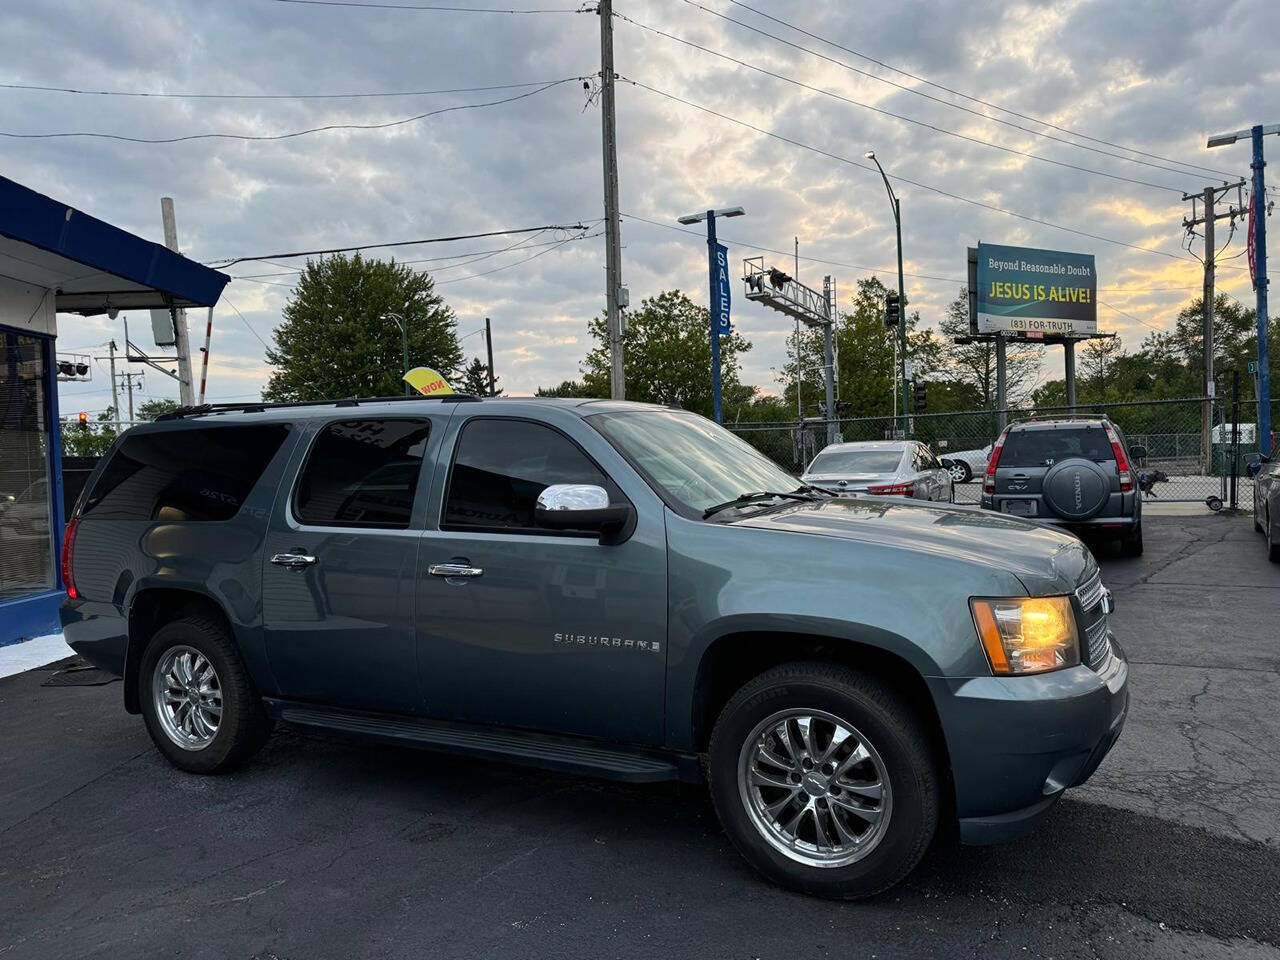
919	396
84	420
892	309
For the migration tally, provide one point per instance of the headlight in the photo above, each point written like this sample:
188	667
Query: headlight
1024	635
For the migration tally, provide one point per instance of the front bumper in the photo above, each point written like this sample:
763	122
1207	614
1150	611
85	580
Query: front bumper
1016	743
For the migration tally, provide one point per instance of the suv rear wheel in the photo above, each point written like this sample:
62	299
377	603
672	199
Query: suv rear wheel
198	702
825	780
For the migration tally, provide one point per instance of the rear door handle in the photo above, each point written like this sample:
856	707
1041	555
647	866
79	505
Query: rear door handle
454	570
293	560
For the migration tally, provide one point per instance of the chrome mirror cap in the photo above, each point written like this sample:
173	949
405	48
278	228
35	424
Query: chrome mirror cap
573	496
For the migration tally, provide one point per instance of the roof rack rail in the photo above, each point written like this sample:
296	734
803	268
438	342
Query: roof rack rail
259	406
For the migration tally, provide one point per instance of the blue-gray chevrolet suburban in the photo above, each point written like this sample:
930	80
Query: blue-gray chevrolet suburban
604	588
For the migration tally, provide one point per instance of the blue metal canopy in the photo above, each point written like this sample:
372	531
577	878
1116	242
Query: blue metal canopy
93	266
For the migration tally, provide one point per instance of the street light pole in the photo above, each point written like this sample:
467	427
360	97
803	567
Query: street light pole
896	205
404	349
712	311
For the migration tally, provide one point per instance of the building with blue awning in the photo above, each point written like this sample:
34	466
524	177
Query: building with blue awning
55	259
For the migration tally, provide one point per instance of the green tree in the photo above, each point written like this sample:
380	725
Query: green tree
475	379
568	388
970	368
338	339
667	356
864	357
156	407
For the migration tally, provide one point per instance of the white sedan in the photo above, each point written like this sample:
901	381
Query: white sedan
899	468
964	465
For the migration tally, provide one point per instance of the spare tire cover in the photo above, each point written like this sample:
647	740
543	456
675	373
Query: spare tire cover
1076	489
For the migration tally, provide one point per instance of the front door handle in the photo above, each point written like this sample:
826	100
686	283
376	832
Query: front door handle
453	570
293	560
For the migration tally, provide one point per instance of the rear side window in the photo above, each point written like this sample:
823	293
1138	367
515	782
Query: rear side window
501	466
362	473
202	473
1044	448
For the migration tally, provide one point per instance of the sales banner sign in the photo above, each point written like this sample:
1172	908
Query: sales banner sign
720	309
1036	292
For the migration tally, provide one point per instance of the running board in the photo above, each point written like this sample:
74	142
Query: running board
565	754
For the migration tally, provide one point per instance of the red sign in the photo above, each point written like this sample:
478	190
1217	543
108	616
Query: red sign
1253	256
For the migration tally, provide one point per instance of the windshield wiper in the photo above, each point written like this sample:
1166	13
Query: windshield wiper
810	488
748	498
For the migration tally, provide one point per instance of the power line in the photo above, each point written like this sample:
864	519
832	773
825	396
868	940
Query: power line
412	6
224	262
540	253
269	96
927	96
245	321
914	183
966	96
1124	313
478	254
896	116
296	133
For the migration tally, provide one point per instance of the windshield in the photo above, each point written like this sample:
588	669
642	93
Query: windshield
856	461
691	459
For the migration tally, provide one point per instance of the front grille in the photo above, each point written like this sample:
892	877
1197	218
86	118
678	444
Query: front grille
1093	621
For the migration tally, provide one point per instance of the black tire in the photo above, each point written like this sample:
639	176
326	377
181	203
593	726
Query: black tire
1273	545
1131	543
244	725
885	721
965	471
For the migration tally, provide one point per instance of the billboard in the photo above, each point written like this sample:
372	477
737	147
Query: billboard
1035	292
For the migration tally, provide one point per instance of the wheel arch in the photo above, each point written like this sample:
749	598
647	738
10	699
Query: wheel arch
732	660
150	609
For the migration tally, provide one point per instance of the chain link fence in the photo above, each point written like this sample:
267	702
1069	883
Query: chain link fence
1183	461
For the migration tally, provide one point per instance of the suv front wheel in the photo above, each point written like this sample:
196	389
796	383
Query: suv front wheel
198	702
825	780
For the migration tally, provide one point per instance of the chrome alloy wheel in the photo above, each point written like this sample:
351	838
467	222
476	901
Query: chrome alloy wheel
187	697
814	787
958	473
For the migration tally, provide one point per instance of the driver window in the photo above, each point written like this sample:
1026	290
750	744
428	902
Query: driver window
500	467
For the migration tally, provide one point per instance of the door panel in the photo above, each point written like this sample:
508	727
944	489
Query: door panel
338	605
556	633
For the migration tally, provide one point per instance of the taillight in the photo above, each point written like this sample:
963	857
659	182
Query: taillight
1122	462
893	490
989	481
68	545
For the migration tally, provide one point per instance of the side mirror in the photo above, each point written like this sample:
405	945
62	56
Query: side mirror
1138	452
584	506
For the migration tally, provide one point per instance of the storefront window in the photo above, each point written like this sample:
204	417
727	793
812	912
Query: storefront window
26	528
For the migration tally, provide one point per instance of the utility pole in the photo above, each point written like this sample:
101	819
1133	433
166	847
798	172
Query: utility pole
186	394
612	225
488	344
1209	197
115	400
1258	261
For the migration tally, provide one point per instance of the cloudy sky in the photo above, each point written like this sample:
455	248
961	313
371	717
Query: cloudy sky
1157	76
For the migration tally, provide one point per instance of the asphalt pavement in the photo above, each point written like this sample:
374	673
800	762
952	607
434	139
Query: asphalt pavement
326	849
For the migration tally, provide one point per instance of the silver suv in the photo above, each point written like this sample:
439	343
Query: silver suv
1076	473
